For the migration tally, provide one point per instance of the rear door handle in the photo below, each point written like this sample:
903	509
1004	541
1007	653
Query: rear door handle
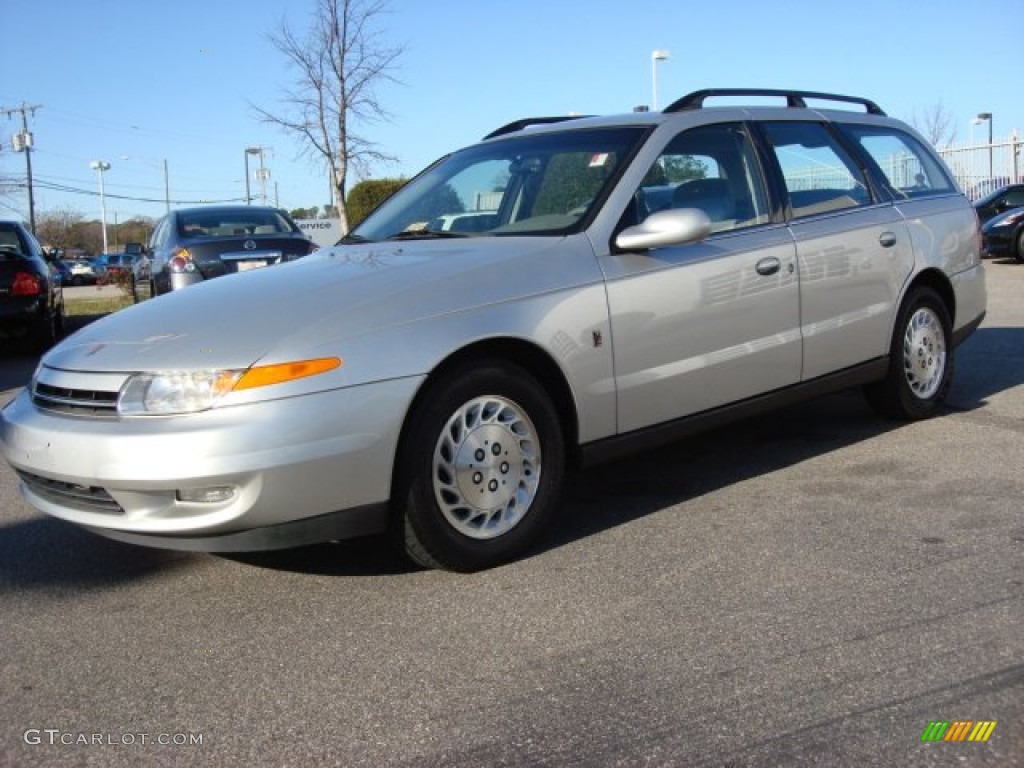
887	239
768	266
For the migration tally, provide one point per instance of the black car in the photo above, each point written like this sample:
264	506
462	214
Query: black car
998	201
195	244
1004	235
31	298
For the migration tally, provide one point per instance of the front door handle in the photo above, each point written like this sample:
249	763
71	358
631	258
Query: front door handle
887	239
768	266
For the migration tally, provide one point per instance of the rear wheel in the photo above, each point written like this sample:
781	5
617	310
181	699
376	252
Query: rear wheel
920	360
480	469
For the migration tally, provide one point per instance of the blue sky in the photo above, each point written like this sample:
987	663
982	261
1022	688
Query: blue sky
174	81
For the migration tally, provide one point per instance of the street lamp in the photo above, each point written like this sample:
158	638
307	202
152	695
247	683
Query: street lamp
167	186
250	151
656	56
99	166
982	118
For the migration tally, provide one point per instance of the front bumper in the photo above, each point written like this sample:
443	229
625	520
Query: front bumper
998	243
288	462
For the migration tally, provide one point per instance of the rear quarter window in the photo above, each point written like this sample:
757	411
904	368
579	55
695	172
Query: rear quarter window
909	168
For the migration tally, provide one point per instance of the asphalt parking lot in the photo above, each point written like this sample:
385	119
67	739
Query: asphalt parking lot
809	588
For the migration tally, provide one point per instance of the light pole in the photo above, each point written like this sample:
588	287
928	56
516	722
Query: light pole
250	151
982	118
99	166
656	56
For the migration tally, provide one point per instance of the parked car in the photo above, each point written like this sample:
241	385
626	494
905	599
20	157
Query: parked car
31	297
999	201
437	384
84	272
1004	235
140	261
191	245
62	269
116	263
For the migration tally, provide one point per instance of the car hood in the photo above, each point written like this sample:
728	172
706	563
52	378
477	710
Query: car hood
333	294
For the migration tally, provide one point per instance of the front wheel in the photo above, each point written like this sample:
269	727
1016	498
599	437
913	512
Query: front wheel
1019	251
920	360
480	468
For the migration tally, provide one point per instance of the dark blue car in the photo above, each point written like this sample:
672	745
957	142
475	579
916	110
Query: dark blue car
1004	235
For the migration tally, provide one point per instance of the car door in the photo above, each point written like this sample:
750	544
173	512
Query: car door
853	249
704	324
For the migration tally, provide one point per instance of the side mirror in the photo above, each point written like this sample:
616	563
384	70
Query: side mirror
664	228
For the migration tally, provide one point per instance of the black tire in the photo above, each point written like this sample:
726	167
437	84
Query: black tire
59	326
47	332
1019	250
77	280
920	360
472	490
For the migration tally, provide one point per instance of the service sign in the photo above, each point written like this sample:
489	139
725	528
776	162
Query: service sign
323	232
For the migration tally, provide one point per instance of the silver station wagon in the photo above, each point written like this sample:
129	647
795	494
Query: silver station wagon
566	290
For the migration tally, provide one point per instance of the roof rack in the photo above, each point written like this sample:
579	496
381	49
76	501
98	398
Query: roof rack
695	100
518	125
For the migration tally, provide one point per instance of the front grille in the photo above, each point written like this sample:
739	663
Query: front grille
84	498
81	402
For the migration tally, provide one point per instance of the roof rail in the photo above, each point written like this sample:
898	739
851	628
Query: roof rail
518	125
695	100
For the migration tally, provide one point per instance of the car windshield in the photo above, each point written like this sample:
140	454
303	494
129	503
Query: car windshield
540	184
232	223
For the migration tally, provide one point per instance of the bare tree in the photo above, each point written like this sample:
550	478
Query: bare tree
59	228
937	125
339	62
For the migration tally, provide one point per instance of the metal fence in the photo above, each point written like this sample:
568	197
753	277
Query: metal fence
981	168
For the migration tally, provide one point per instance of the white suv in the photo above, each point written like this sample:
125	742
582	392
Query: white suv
626	280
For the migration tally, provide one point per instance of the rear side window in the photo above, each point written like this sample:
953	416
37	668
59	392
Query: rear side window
820	176
910	169
10	243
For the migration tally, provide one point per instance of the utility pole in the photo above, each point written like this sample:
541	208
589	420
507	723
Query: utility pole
23	143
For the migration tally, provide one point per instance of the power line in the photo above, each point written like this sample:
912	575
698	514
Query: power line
53	187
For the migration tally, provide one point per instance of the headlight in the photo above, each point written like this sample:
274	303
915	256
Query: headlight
1012	219
176	392
180	392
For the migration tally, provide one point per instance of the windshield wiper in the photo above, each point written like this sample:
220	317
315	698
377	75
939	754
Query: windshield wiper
350	238
425	234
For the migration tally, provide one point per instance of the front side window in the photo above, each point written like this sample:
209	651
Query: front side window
908	167
541	184
820	175
712	168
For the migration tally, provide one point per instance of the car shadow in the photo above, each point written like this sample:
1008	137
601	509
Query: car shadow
367	556
989	362
45	553
598	499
